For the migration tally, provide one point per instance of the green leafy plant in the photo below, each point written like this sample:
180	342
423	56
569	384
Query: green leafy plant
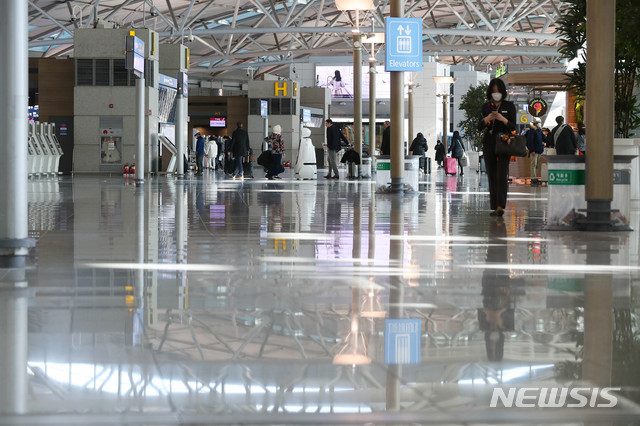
572	28
471	103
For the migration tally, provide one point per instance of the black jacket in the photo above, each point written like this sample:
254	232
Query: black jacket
565	143
419	146
351	156
507	109
239	142
456	149
440	154
334	136
385	148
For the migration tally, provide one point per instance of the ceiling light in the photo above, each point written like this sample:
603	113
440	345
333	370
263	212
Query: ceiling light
223	22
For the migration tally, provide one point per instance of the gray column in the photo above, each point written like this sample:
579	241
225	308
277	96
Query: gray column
445	117
601	18
397	116
14	86
410	96
140	127
180	130
357	94
372	107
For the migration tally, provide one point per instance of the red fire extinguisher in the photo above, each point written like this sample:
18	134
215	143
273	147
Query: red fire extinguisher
126	169
132	169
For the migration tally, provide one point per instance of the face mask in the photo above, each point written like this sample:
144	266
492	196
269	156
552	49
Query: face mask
497	97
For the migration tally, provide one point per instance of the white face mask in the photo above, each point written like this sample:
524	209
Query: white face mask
497	97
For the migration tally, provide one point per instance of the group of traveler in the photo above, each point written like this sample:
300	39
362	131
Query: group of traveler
235	148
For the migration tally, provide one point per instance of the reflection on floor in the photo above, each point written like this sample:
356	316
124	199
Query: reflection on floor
211	300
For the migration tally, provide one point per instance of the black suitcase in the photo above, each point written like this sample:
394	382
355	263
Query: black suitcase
427	165
247	169
319	158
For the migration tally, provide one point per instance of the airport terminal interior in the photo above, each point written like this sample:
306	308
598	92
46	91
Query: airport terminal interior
150	291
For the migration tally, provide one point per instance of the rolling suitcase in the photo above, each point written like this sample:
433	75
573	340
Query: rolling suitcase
451	166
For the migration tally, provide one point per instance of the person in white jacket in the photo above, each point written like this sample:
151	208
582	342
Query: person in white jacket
211	152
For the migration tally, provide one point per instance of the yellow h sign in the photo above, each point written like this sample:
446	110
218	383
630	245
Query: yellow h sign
282	89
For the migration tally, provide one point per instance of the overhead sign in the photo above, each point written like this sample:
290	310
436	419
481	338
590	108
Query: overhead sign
134	56
264	108
403	45
183	83
402	341
306	115
523	117
502	69
538	107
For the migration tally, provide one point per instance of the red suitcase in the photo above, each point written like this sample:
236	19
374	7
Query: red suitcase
451	166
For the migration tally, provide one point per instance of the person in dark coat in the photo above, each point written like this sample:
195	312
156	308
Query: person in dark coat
239	148
535	145
440	153
419	147
385	147
563	138
199	153
277	150
498	118
334	136
457	150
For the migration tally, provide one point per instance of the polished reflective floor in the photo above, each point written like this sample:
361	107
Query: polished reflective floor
218	301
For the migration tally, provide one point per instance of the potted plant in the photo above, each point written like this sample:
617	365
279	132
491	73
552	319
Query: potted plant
572	28
471	103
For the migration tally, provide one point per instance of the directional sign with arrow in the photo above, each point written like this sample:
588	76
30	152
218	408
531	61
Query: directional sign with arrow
403	44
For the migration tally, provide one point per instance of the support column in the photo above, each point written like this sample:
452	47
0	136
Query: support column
397	116
372	108
410	96
14	89
180	129
601	18
140	127
357	95
445	117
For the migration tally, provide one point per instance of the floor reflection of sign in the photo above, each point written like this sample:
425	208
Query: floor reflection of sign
402	341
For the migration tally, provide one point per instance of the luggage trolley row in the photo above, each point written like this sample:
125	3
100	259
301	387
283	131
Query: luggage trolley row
44	150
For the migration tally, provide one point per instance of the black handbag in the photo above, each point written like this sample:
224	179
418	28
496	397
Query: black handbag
512	146
264	159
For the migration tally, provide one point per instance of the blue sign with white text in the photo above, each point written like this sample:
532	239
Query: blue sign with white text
402	341
264	108
403	46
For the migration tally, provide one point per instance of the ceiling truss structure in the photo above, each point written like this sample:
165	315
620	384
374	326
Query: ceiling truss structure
266	35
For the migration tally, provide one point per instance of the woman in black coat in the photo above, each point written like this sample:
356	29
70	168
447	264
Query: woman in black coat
419	147
457	149
498	118
440	153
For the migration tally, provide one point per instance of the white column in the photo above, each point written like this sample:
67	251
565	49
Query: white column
180	130
14	86
140	126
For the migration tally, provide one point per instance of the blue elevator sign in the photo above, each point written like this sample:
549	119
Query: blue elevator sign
402	341
403	44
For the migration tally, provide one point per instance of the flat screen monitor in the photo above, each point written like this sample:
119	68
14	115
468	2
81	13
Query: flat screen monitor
217	122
